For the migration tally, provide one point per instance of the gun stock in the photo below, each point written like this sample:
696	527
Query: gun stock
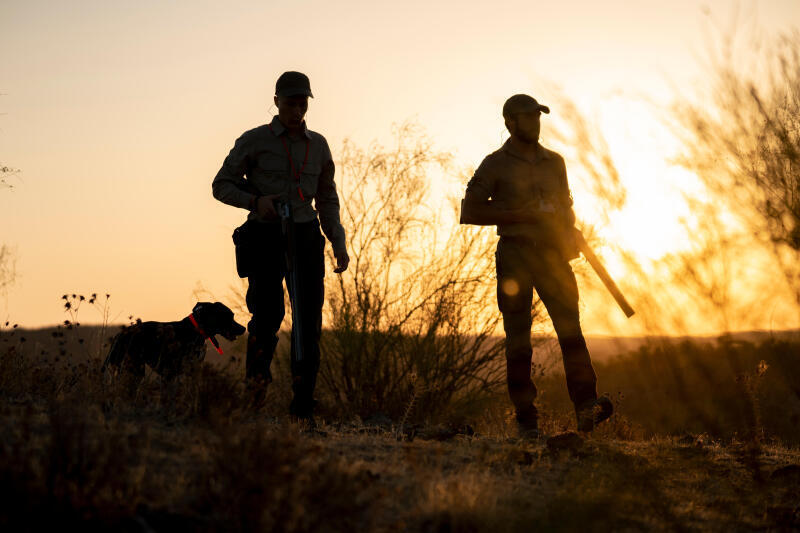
603	274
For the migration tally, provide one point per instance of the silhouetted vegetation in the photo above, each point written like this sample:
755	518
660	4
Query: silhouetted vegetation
7	259
742	138
82	450
409	321
415	427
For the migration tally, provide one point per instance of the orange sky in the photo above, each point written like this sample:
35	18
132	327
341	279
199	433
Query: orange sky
119	114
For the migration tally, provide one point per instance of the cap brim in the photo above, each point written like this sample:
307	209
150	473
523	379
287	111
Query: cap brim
529	108
538	108
295	91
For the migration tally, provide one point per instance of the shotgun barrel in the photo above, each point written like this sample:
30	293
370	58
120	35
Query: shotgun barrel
288	226
603	274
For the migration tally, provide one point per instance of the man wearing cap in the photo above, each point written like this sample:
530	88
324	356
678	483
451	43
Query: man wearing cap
271	161
522	189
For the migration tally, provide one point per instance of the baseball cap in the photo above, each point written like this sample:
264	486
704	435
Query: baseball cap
522	103
293	84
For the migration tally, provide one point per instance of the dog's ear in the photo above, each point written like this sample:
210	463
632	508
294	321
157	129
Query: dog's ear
200	307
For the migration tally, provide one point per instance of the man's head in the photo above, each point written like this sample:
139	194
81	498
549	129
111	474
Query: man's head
521	113
292	91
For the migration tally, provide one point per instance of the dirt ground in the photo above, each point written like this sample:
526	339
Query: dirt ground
144	473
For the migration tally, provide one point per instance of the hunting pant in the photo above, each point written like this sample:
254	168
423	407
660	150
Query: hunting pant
265	300
521	267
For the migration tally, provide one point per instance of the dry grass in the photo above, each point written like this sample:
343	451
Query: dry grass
79	450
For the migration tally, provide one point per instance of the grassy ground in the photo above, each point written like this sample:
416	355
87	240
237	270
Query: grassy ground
62	468
80	450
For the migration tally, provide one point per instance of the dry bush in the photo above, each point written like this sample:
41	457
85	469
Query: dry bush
5	173
83	448
409	320
8	271
64	467
743	140
729	389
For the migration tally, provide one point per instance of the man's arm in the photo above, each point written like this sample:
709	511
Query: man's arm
327	204
477	208
488	213
229	185
565	198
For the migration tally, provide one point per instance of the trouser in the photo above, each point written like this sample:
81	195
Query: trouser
521	267
265	300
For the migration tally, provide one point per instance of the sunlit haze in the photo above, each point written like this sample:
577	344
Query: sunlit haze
119	114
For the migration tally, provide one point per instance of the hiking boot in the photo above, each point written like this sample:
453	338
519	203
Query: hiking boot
528	423
302	409
592	412
528	430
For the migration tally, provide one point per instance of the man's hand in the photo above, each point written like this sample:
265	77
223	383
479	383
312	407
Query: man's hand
265	206
342	260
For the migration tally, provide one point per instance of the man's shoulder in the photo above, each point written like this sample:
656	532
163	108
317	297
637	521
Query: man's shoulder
317	137
495	158
259	132
551	154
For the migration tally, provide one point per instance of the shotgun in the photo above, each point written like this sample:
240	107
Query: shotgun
602	273
284	207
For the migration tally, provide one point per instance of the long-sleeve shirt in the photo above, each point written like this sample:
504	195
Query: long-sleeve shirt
258	165
514	181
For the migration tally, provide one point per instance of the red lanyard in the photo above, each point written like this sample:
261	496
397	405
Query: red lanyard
291	161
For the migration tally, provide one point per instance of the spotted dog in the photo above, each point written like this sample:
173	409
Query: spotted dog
171	347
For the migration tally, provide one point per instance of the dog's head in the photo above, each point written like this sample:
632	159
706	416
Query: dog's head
216	319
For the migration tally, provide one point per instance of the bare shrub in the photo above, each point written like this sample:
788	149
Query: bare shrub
412	317
743	141
5	173
7	260
66	468
727	388
8	271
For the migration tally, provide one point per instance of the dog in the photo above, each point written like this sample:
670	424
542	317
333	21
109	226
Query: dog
170	348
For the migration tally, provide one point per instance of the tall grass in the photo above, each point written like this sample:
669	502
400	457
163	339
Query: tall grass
83	450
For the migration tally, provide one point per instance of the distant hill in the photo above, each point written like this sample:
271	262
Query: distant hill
92	340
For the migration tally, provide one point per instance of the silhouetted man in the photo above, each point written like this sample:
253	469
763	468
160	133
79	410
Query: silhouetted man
284	159
522	189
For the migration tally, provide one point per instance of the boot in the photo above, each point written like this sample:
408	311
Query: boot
528	423
592	412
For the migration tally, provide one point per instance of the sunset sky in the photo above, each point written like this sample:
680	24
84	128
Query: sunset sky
119	114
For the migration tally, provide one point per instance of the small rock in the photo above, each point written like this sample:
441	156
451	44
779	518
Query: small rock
569	441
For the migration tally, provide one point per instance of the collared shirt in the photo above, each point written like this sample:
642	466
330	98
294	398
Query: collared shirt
515	181
258	165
